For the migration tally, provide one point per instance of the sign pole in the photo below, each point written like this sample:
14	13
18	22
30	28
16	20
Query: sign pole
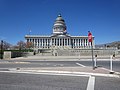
92	55
90	40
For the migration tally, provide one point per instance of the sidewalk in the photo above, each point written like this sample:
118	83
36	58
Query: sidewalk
60	58
69	70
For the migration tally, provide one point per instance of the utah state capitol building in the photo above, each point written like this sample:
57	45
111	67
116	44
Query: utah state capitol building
59	39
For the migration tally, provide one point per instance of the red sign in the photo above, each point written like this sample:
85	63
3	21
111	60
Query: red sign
89	36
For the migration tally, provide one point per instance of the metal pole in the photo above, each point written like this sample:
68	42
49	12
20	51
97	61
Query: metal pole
111	65
92	55
1	48
95	61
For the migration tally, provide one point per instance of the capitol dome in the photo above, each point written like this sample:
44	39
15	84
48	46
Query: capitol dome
59	26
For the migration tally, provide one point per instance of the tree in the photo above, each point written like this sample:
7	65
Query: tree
21	45
29	45
5	45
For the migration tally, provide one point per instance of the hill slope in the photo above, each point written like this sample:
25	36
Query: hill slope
112	44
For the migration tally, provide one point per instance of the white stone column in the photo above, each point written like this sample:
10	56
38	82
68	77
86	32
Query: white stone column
59	41
51	43
85	43
79	43
42	42
36	43
70	43
56	41
47	43
39	43
75	43
67	41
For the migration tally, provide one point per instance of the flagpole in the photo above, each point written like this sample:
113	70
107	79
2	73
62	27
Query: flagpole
29	31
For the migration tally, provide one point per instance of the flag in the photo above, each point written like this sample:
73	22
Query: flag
89	36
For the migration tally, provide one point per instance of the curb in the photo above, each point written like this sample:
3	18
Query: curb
64	72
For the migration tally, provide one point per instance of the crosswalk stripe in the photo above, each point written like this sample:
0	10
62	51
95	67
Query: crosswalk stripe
91	83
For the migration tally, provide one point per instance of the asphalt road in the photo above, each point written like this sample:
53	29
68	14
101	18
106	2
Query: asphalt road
31	81
15	81
37	64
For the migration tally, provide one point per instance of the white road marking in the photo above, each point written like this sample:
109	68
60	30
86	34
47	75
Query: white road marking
81	65
91	83
47	73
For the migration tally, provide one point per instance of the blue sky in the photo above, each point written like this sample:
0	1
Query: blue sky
101	17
